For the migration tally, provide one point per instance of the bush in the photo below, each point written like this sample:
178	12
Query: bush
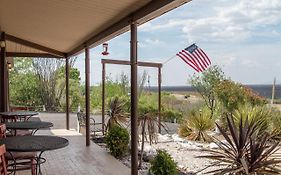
232	95
170	115
198	122
163	164
117	140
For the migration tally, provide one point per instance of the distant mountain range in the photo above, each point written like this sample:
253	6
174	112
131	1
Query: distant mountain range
264	90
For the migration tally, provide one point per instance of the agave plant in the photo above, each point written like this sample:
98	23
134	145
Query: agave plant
244	153
116	112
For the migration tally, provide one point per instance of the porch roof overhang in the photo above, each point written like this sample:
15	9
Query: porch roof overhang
55	28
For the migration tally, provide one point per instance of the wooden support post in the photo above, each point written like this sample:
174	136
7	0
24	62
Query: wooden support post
103	98
67	91
159	99
273	92
3	75
134	101
87	84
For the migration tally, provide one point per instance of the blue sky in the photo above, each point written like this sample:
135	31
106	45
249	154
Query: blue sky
242	37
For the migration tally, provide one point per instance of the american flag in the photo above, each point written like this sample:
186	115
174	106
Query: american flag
195	57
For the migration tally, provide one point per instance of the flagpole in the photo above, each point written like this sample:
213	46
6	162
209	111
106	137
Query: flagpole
169	59
273	92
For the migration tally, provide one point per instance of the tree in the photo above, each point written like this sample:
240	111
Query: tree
24	84
205	85
51	77
75	89
47	71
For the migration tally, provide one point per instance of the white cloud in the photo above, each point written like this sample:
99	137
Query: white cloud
225	59
229	22
148	42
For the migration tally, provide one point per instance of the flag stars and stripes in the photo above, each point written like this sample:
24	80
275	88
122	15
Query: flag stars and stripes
195	57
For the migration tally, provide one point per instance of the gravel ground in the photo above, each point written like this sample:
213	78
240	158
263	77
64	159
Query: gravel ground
184	152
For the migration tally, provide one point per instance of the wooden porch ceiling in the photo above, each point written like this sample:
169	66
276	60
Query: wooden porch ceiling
56	28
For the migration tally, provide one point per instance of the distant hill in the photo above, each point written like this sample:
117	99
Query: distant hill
264	90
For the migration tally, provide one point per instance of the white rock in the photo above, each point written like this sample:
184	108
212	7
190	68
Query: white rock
176	138
213	146
164	138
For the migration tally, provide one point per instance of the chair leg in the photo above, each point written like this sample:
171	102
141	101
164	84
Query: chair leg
33	166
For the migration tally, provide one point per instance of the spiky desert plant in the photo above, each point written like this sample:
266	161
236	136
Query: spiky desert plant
116	112
148	124
184	130
244	153
257	115
276	124
199	123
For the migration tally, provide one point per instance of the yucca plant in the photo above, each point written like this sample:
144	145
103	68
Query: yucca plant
148	123
257	115
116	112
199	123
184	130
276	124
244	153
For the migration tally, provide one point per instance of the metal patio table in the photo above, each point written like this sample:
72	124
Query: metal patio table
34	126
36	143
17	115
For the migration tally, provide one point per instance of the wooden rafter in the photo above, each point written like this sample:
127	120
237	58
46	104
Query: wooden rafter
124	62
34	45
32	55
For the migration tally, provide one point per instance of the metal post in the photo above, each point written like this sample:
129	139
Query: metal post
67	91
103	97
159	99
87	79
134	101
3	75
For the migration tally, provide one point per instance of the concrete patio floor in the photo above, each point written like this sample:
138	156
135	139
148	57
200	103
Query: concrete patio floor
76	158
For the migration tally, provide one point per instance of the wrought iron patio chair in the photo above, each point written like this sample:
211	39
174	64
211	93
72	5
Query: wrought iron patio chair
95	127
3	164
18	161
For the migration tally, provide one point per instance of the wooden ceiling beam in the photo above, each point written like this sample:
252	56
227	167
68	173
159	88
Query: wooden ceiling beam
124	62
34	45
32	55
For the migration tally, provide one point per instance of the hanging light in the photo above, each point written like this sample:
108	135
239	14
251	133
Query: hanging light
10	63
105	49
10	66
2	44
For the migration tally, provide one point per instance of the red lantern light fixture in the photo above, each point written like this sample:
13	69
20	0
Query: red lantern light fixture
105	49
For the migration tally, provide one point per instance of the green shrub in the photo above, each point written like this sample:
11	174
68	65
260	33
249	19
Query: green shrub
117	140
232	95
163	164
170	115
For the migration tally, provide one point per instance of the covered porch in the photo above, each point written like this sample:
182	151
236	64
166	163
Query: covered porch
75	159
63	29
